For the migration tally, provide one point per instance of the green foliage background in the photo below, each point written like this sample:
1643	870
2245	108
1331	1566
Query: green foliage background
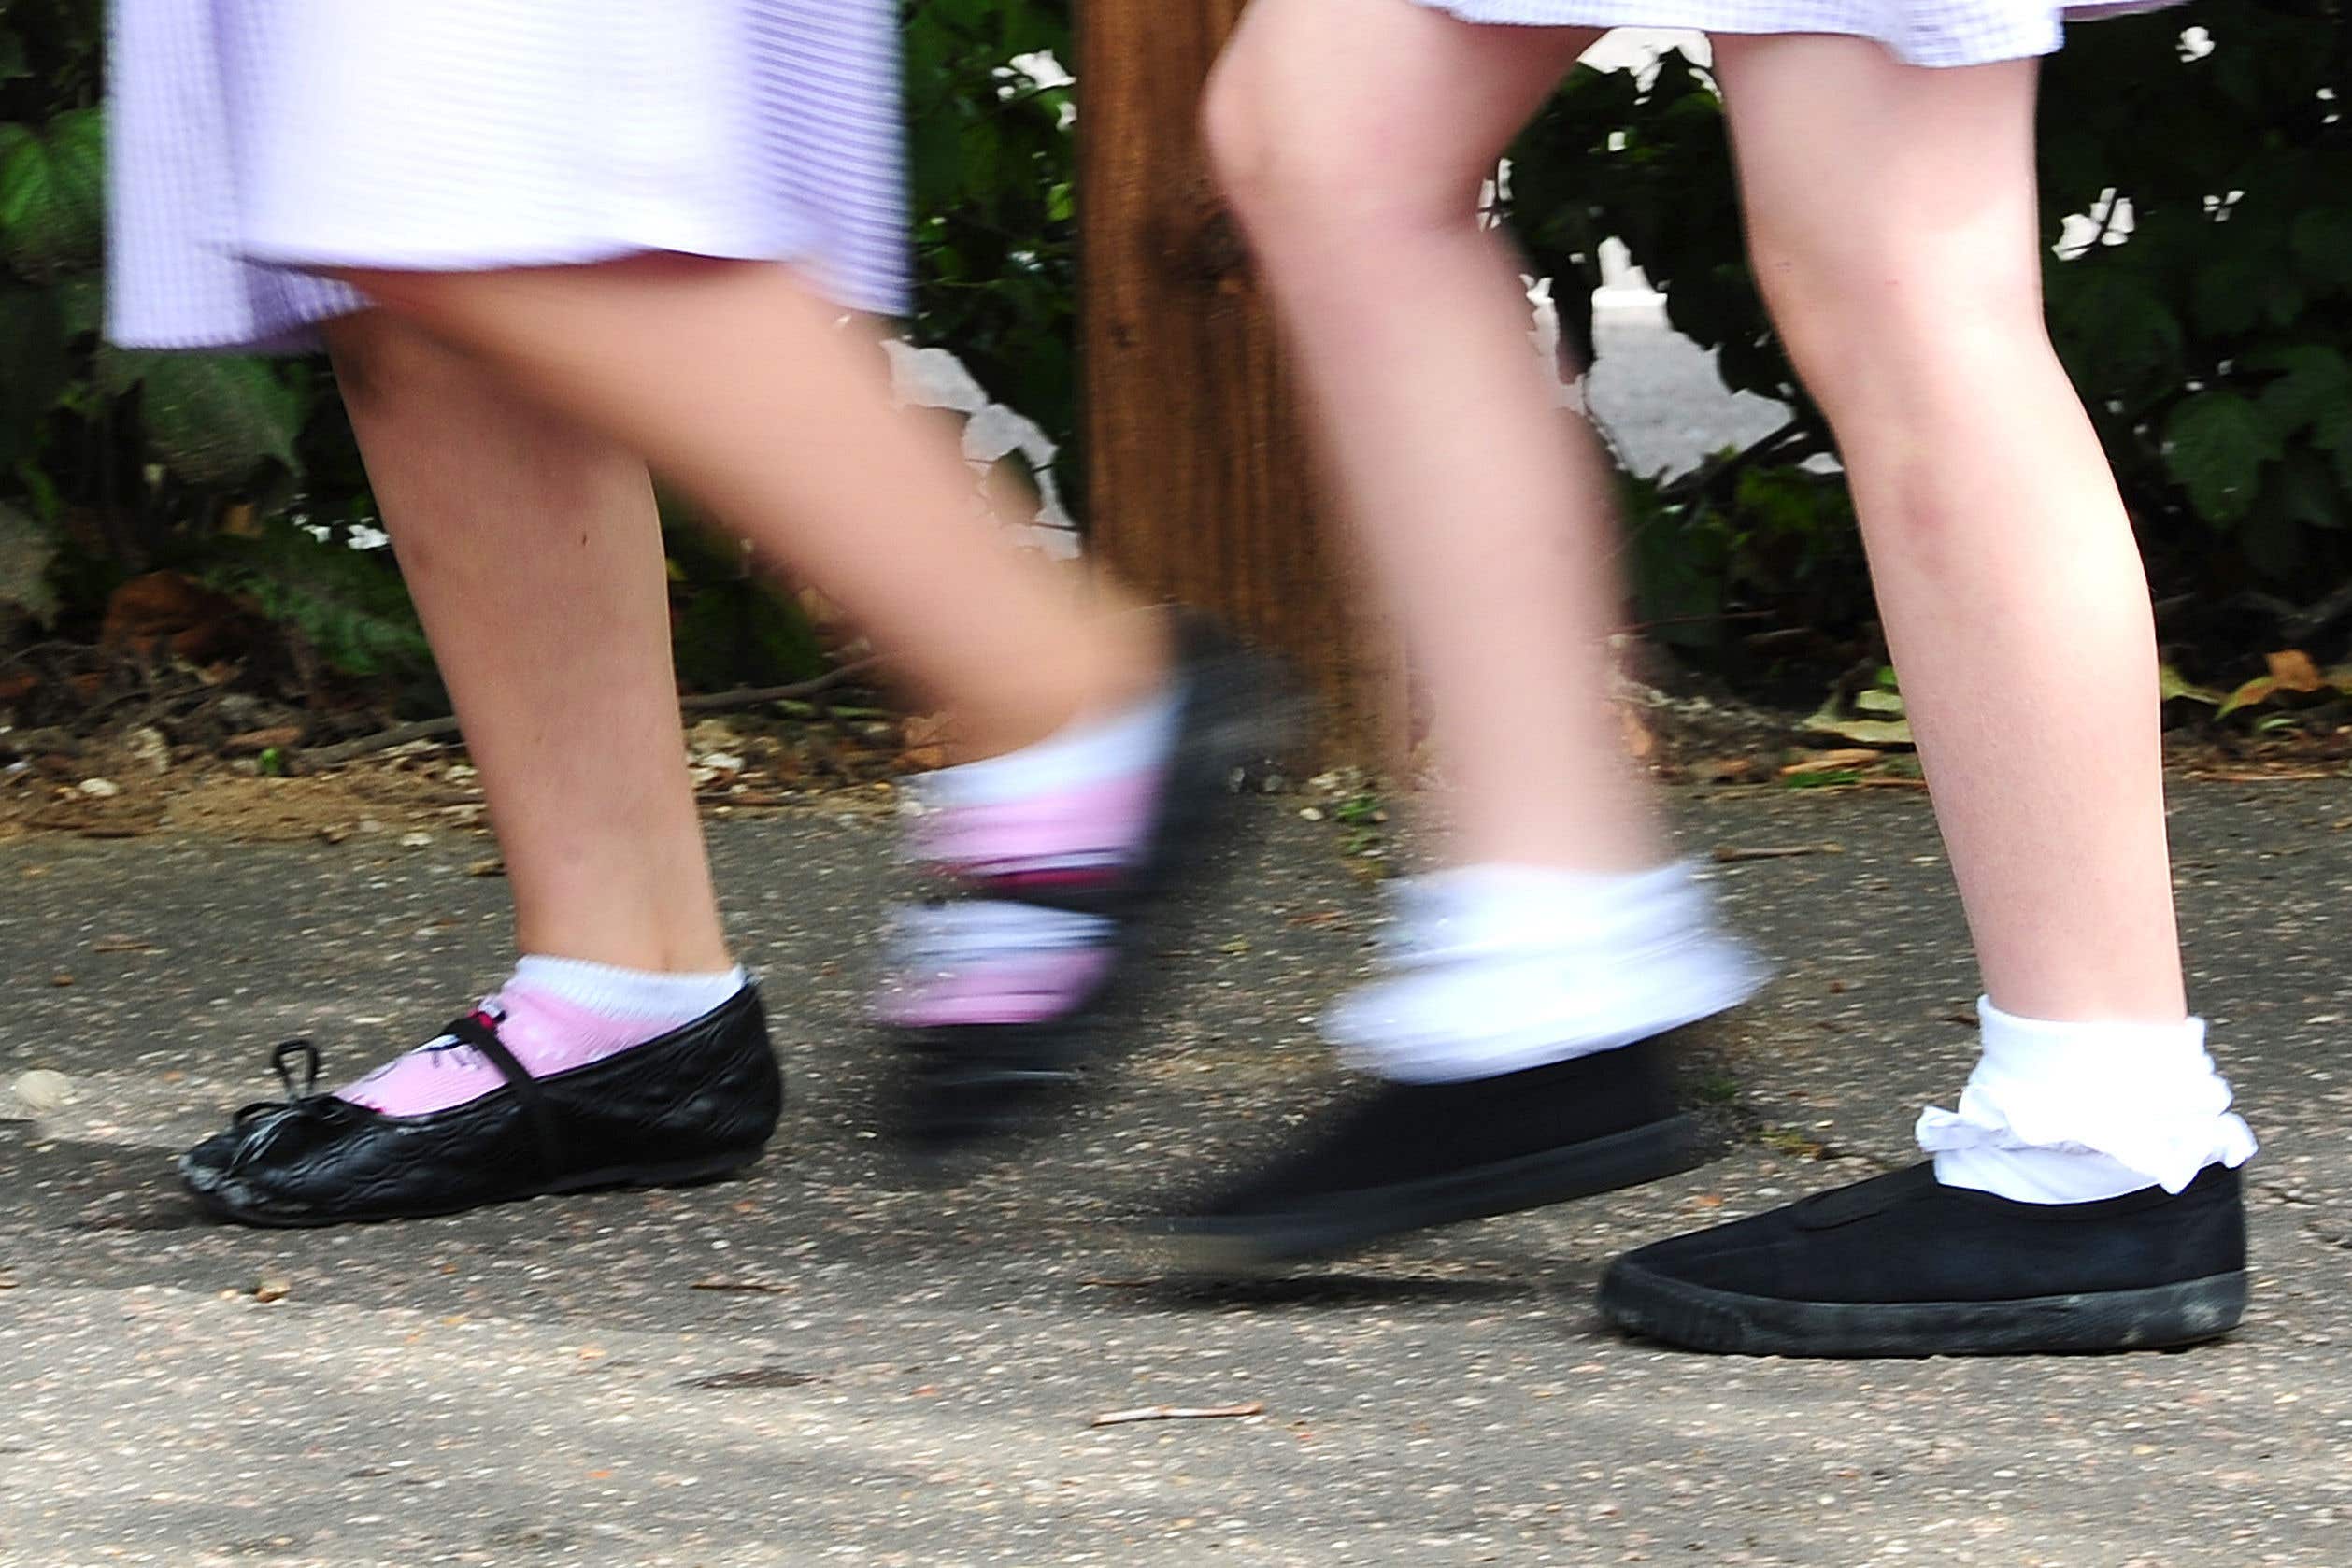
2215	344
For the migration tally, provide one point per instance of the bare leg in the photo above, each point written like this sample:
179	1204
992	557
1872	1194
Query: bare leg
1521	1046
1892	219
516	529
1353	151
749	389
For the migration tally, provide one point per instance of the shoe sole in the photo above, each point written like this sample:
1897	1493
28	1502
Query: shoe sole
1214	1247
682	1174
1698	1318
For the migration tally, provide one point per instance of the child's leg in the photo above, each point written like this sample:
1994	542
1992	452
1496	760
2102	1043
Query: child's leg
518	533
1351	136
2085	1196
1103	750
533	554
755	394
1892	219
1521	1030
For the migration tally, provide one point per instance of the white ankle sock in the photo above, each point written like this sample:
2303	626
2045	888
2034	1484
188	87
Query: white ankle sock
1496	968
638	994
2071	1113
1088	751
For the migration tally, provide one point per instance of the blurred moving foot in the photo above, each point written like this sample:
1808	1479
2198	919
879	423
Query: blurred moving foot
1415	1155
1053	860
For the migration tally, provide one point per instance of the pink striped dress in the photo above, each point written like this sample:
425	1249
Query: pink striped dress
253	140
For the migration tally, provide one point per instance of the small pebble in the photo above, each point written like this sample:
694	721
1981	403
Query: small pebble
149	748
43	1089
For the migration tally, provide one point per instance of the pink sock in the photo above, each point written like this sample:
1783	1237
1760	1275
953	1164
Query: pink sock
1073	807
1072	812
566	1016
1071	835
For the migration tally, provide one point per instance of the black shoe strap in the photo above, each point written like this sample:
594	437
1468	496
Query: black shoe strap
546	1131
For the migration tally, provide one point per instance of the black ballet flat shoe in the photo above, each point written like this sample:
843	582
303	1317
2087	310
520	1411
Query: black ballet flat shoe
1902	1265
1416	1155
698	1102
964	1085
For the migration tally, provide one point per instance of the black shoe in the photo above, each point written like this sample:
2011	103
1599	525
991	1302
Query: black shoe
963	1084
697	1103
1418	1155
1902	1265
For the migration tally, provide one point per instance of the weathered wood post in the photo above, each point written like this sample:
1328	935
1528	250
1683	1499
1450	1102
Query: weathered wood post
1200	485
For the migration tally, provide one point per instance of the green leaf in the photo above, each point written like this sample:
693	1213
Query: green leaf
2214	446
1861	732
740	633
82	305
2305	491
2112	321
2322	239
350	604
2332	433
2316	379
119	371
2170	684
52	193
213	420
34	367
2253	693
2229	290
27	551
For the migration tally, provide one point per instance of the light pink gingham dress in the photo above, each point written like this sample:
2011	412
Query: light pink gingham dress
1916	32
255	138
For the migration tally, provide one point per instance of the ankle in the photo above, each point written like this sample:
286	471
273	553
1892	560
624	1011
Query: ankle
1124	659
2074	1112
658	950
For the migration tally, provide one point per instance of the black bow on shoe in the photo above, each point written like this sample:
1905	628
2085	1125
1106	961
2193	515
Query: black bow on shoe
264	1121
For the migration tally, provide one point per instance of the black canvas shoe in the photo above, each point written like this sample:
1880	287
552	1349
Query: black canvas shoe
1902	1265
1415	1155
695	1103
962	1084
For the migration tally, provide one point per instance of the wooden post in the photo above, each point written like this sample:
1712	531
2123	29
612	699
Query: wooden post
1200	487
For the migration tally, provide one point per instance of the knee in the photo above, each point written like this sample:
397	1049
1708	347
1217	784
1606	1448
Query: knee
1246	154
1878	335
382	361
1293	168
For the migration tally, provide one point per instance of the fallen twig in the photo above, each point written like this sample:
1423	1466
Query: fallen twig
745	1288
443	729
752	696
1732	854
1177	1413
2259	775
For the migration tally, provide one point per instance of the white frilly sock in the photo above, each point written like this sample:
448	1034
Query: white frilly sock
1494	969
1135	739
2071	1113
